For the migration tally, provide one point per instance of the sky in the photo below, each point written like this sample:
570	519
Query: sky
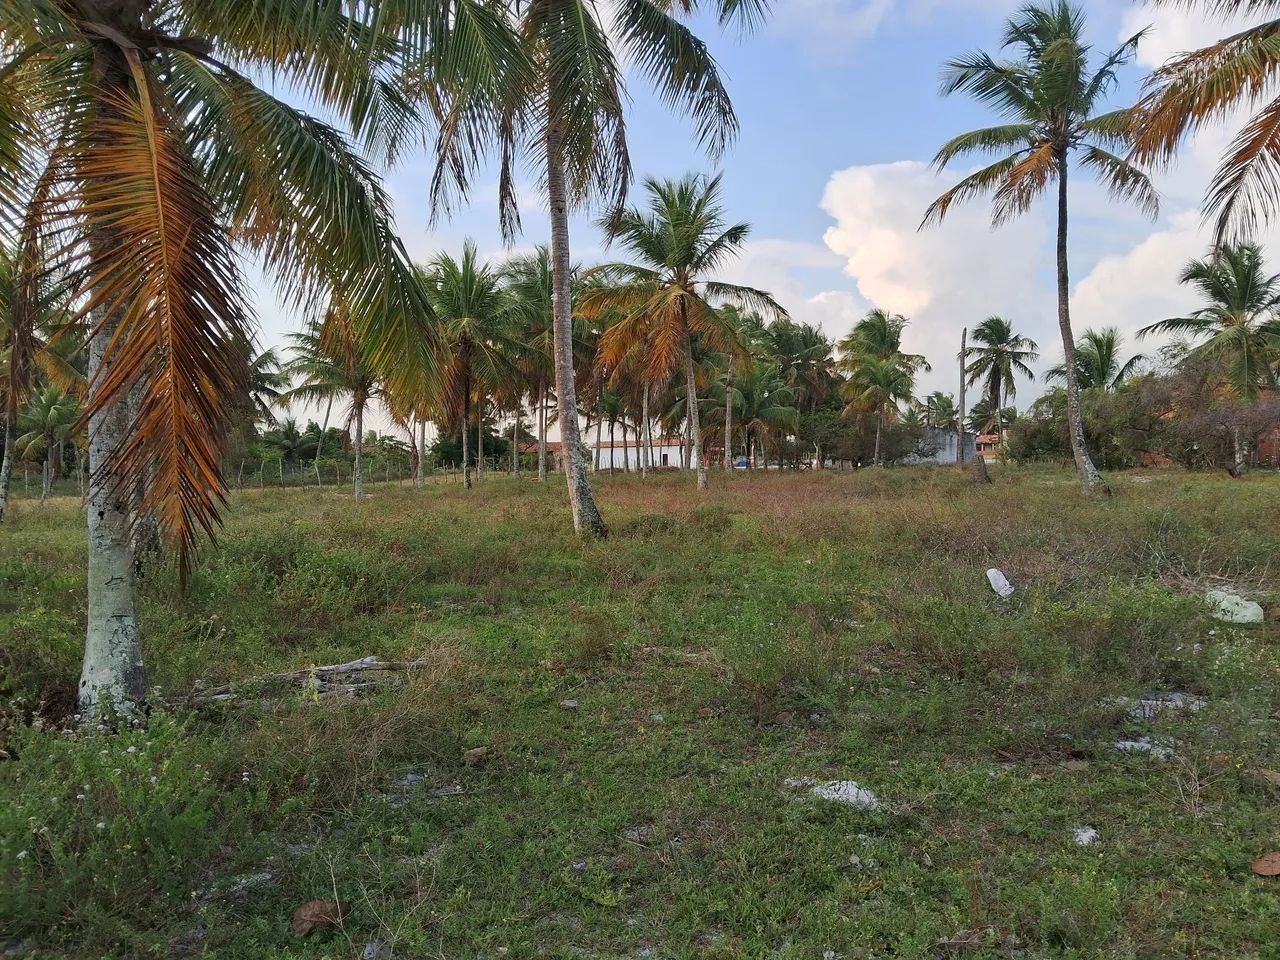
840	117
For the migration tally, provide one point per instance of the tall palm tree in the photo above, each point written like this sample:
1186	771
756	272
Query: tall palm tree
1239	327
1048	95
331	364
995	356
47	422
569	116
1098	361
877	385
135	141
680	239
1207	86
763	406
267	380
478	352
878	336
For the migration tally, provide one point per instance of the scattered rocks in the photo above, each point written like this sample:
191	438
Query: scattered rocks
1085	836
375	950
17	949
1145	745
1154	704
568	704
1232	608
252	883
846	792
1000	584
448	790
639	834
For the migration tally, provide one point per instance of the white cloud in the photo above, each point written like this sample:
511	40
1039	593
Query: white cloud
1175	30
946	277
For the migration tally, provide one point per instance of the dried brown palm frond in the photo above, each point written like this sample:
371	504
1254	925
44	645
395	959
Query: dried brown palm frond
166	284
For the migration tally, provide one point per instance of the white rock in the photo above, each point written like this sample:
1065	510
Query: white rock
1230	608
1085	836
848	793
1145	745
568	704
1000	583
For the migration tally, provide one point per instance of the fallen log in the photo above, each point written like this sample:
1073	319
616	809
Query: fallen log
322	681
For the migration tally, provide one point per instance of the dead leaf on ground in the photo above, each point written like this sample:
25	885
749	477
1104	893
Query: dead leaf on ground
1267	865
1268	776
315	914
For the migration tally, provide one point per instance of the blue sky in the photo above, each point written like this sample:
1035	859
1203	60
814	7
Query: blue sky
840	114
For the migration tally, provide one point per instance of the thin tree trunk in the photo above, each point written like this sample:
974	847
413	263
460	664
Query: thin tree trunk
599	433
1239	453
695	420
420	451
960	432
646	432
728	419
1090	478
515	442
466	434
586	515
112	671
875	457
328	409
46	472
626	449
613	426
6	466
542	434
480	439
358	469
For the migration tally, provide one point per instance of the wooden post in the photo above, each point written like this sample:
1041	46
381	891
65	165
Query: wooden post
964	345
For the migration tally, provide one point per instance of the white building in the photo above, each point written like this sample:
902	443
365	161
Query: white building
667	454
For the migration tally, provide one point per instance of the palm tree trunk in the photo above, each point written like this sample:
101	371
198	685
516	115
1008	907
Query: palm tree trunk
964	344
515	441
46	470
586	515
1090	478
599	435
1239	453
420	453
613	425
875	457
6	466
695	421
480	438
626	450
112	671
646	432
328	409
466	434
358	471
542	434
728	419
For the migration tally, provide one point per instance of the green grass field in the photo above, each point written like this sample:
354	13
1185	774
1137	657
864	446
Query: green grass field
836	627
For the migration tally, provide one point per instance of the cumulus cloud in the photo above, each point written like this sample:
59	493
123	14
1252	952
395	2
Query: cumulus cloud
946	277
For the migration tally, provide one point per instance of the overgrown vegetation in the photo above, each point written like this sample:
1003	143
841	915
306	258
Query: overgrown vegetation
835	626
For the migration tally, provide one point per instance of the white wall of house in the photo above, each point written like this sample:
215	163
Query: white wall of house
665	454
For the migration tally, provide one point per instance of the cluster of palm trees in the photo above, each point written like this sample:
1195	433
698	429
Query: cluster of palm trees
139	157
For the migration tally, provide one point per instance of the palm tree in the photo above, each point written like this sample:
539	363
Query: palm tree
266	382
48	422
998	355
878	336
984	418
287	440
130	144
475	332
804	354
1239	327
1098	363
330	363
940	411
679	240
568	113
877	385
1207	86
763	405
530	287
1048	95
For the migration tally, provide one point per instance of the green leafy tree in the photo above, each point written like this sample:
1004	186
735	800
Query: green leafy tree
1049	96
680	240
47	424
1099	363
877	386
1238	329
996	355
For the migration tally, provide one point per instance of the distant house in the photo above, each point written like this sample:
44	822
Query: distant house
555	453
667	452
988	446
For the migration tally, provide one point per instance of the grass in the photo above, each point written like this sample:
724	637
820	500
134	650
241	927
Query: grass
833	626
